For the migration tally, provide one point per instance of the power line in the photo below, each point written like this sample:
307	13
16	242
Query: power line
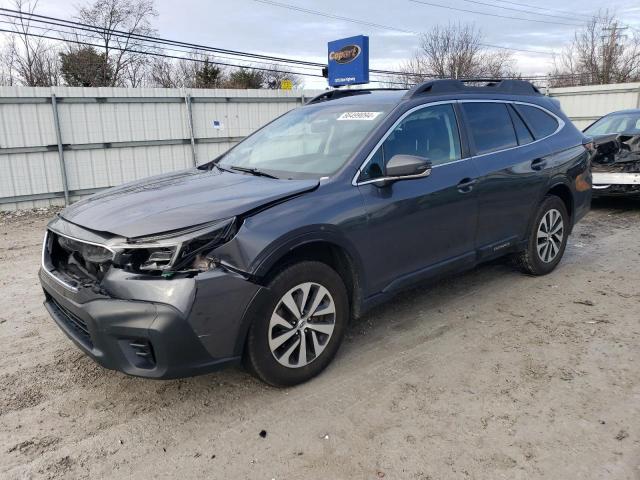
547	9
521	11
438	5
161	40
162	55
155	54
119	34
94	37
381	26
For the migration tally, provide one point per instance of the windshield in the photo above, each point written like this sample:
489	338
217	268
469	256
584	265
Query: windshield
312	141
619	123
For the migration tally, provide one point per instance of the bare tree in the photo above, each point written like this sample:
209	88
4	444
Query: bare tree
164	73
455	51
136	73
30	60
8	66
197	70
602	52
275	75
187	69
122	51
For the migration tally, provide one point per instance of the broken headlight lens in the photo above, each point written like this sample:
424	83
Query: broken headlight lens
176	251
89	252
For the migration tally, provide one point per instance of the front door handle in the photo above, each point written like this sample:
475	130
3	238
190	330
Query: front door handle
538	164
467	184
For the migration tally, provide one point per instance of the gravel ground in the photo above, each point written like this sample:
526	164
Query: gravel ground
490	374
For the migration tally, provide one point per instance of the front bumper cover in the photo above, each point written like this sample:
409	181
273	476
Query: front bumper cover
197	330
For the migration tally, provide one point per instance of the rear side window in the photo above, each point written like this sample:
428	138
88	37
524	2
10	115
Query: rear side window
541	123
490	125
522	132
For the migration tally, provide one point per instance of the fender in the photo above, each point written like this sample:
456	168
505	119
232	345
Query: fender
312	234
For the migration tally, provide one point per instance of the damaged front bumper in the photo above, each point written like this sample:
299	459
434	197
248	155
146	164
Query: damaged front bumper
152	326
616	165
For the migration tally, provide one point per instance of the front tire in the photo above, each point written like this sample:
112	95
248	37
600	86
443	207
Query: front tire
297	325
547	238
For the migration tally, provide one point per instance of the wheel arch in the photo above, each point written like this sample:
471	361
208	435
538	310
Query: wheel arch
560	188
318	246
562	191
326	247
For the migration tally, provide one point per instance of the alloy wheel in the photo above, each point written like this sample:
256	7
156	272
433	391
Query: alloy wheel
301	325
550	235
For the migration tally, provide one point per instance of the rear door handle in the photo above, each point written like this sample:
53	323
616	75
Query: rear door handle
467	184
538	164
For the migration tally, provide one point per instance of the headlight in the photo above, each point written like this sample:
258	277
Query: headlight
89	252
176	251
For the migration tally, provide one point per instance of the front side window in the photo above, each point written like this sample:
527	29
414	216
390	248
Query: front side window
307	142
490	125
540	122
431	132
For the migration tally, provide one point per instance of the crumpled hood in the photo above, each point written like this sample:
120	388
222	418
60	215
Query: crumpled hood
179	200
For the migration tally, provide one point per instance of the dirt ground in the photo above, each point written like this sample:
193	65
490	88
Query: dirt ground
487	375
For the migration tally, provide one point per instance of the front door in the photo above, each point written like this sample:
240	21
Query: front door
424	225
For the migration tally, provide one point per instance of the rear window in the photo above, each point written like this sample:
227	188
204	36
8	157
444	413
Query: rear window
490	126
541	123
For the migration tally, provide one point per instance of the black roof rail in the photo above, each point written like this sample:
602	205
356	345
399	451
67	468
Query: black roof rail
335	94
498	85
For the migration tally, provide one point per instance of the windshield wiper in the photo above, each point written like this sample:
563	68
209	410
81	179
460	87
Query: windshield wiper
253	171
222	169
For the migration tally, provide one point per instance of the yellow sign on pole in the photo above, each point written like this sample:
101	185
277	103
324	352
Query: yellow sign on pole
286	84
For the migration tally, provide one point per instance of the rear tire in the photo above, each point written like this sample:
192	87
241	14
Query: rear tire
547	238
297	324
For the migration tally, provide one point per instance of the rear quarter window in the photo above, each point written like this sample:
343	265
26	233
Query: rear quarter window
540	122
522	132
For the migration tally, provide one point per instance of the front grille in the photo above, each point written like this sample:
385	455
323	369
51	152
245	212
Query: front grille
77	325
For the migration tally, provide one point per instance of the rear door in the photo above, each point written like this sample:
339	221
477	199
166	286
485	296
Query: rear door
512	171
423	225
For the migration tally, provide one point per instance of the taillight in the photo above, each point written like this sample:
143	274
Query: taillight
588	144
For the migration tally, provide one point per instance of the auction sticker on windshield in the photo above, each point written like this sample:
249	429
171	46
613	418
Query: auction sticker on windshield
359	115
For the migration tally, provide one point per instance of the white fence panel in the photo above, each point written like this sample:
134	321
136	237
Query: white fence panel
114	135
584	105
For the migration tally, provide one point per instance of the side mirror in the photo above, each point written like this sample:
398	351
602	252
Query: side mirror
405	167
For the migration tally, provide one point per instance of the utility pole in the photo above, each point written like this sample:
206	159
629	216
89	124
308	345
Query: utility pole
610	37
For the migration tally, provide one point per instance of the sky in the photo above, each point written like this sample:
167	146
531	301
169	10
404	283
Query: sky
253	26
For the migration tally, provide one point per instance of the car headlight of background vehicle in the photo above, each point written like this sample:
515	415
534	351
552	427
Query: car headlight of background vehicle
177	251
